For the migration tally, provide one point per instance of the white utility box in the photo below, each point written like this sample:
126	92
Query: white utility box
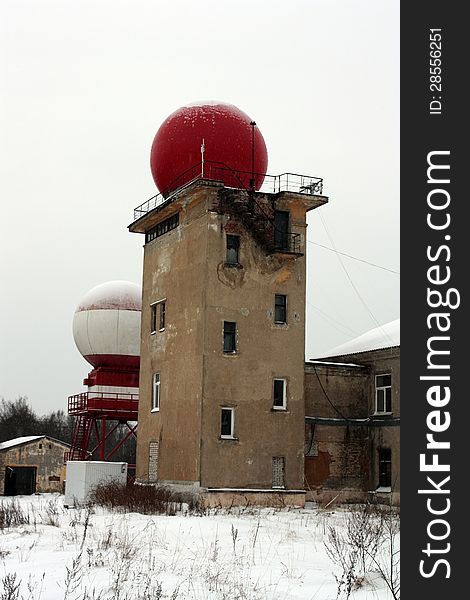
83	475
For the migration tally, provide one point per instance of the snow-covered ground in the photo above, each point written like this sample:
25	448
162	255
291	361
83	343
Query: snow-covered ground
251	554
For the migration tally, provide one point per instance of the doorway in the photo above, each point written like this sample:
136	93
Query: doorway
20	481
281	230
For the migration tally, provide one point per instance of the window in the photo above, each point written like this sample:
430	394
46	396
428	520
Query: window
383	394
230	337
233	250
162	228
385	467
153	318
156	392
280	308
227	418
279	399
279	472
40	446
157	314
162	315
281	230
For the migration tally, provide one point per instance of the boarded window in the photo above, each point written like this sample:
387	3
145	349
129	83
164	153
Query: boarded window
279	469
153	461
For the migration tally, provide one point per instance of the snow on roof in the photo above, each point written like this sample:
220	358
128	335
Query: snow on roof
26	439
335	364
385	336
19	441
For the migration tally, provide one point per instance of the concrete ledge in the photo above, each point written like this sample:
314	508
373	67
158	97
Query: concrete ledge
227	497
324	497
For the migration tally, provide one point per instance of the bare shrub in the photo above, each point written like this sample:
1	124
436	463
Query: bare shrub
11	587
387	560
346	556
369	542
364	532
145	499
12	515
52	514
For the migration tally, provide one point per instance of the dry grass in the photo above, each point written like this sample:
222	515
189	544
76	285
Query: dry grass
145	499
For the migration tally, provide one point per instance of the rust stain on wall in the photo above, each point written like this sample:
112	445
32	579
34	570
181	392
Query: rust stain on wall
317	469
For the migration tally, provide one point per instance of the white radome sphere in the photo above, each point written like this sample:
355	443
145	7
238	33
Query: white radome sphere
106	325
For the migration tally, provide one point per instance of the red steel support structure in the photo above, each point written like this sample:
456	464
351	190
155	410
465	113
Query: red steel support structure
102	412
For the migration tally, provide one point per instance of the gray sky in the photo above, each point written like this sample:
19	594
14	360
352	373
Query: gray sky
84	87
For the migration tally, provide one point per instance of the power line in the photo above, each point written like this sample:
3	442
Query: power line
326	395
343	328
363	302
355	258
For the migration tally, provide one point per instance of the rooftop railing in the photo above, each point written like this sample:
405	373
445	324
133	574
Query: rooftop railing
215	171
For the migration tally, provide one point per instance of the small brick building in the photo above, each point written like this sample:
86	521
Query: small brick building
352	408
32	464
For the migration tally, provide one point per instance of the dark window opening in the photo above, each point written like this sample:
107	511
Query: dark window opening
162	228
280	308
162	315
40	446
385	467
230	332
226	422
50	446
279	400
233	250
281	230
153	318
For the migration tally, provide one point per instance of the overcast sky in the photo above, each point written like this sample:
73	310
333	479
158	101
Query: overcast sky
85	84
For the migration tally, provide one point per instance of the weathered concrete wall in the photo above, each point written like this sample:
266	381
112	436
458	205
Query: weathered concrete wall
265	350
175	269
227	499
46	455
187	267
338	455
345	458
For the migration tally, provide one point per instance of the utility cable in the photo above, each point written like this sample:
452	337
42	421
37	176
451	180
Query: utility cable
379	326
355	258
341	326
327	397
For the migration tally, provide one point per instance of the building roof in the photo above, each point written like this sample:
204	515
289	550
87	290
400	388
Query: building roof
385	336
26	440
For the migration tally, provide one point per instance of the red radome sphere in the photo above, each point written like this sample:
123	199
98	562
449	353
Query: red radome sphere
227	135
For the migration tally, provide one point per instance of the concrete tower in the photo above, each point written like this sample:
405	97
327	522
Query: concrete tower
223	317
